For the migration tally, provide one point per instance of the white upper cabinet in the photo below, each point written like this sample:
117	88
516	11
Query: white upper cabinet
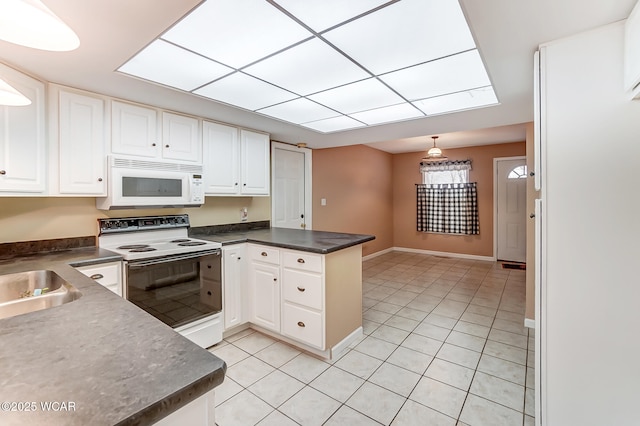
81	145
255	150
632	53
181	138
134	130
236	162
221	162
22	137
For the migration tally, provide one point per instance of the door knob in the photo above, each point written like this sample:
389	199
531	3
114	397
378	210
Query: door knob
532	215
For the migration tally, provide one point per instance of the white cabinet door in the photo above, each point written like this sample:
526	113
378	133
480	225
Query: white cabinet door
82	153
265	295
22	137
134	130
221	159
181	138
254	167
234	283
632	53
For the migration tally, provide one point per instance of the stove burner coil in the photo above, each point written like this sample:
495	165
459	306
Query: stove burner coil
192	243
142	249
133	246
180	240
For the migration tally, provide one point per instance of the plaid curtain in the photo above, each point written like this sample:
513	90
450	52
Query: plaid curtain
448	208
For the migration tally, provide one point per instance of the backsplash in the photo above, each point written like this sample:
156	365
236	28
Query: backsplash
28	247
230	227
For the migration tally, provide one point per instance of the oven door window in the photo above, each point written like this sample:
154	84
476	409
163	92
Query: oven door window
177	292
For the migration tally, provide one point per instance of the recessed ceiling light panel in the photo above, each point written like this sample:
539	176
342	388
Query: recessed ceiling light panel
322	14
359	96
298	111
245	92
388	114
236	32
449	75
468	99
173	66
310	67
403	34
334	124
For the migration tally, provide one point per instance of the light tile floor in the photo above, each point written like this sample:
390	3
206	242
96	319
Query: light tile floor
444	344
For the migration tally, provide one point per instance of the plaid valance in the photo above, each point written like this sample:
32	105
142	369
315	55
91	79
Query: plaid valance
448	208
441	166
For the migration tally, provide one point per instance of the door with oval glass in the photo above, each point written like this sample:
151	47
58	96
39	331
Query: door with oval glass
511	205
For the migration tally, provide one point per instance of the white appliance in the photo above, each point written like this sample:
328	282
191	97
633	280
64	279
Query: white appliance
587	316
134	183
175	278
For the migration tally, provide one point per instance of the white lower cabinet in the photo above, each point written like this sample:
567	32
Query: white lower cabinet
264	285
234	270
107	274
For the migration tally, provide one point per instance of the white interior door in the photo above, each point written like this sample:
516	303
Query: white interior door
511	206
291	187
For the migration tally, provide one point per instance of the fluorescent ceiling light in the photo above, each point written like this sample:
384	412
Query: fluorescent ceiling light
388	114
359	96
324	63
298	111
307	68
334	124
449	75
468	99
322	14
173	66
236	33
30	23
10	96
245	92
403	34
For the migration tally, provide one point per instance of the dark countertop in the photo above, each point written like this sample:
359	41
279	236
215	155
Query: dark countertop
115	362
296	239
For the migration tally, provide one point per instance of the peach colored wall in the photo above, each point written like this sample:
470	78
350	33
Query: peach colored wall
356	181
406	173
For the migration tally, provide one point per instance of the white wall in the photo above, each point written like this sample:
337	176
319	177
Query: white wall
591	221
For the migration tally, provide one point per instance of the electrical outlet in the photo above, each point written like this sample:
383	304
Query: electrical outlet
244	214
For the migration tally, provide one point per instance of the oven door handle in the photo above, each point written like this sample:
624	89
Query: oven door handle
139	264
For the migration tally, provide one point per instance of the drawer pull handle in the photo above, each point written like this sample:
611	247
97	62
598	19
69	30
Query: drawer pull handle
264	253
300	324
96	276
301	260
301	289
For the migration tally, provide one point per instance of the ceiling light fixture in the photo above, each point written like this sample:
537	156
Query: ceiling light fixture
434	153
30	23
10	96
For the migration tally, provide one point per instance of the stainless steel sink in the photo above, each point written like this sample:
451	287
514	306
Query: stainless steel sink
31	291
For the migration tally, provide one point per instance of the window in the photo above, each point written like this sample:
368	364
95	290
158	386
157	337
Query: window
520	172
447	202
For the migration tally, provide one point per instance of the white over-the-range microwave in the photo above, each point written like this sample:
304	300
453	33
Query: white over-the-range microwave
137	183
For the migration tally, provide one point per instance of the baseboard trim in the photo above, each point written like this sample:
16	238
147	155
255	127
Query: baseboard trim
378	253
530	323
445	254
342	345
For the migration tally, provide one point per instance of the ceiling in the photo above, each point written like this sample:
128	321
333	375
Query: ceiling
506	33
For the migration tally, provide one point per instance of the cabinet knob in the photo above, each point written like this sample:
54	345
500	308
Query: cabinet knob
244	184
300	324
236	184
99	179
301	289
166	146
3	172
96	276
264	253
275	279
239	258
153	144
300	260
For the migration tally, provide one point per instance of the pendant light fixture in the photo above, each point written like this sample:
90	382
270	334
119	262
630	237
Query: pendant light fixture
434	152
30	23
10	96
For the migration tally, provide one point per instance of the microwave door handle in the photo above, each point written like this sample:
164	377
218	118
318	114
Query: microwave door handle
157	261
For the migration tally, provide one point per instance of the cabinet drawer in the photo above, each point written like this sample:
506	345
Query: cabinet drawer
303	324
264	254
106	275
303	288
303	261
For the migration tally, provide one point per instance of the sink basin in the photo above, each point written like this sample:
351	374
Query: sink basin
31	291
